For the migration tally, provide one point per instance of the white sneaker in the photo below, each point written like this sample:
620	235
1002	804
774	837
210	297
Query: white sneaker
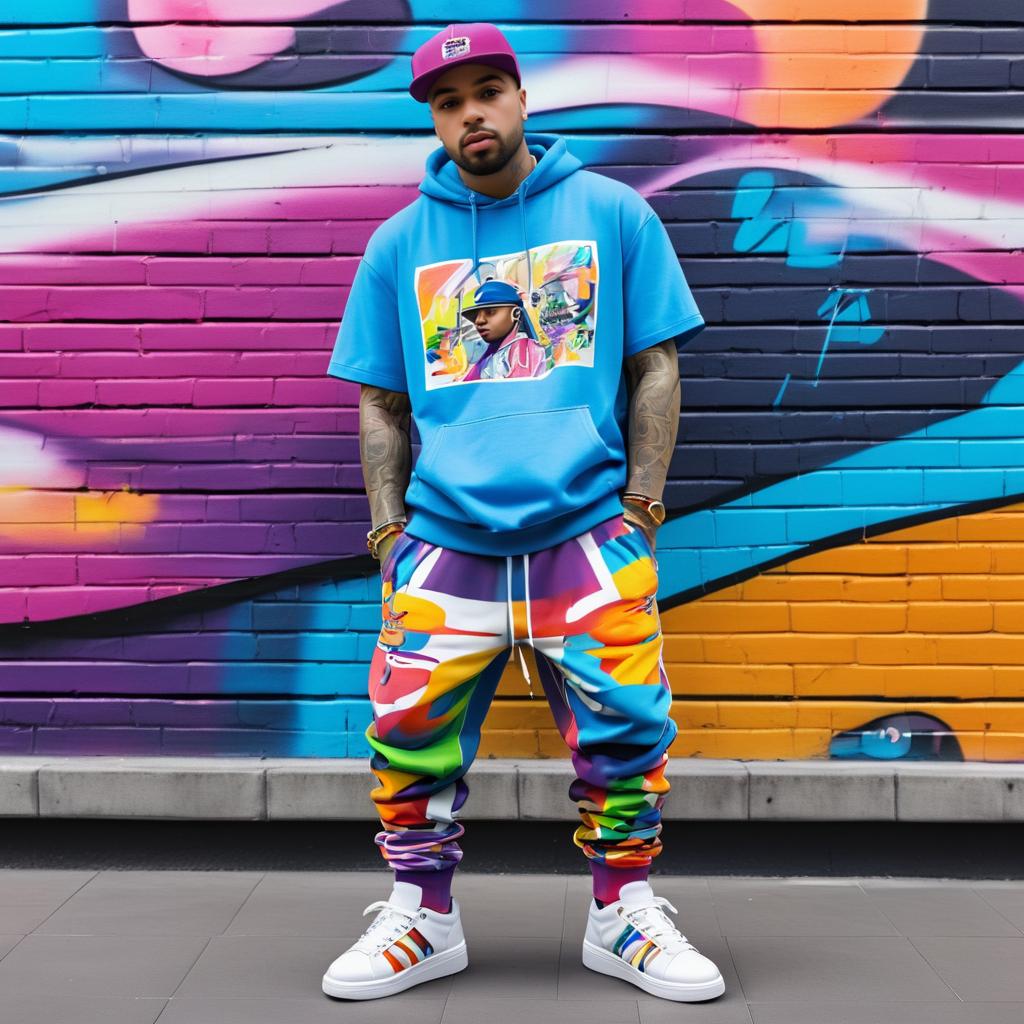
406	944
635	940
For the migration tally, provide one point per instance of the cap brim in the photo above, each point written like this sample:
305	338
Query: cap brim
420	87
488	305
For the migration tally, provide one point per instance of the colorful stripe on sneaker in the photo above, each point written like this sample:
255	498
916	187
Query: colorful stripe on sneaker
408	951
635	948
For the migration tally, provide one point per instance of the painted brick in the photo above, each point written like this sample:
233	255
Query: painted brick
950	617
171	349
839	618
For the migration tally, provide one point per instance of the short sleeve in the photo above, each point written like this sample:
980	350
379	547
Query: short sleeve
368	348
657	301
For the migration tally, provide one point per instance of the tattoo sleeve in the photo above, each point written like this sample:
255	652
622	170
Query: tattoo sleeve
384	450
654	398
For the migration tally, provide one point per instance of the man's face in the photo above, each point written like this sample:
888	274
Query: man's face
493	322
478	115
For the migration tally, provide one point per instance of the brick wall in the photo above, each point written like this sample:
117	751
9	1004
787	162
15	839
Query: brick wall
187	190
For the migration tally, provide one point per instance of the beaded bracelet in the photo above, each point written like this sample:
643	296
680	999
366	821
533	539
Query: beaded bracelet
374	537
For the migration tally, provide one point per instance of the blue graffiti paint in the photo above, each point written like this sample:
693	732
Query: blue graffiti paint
850	316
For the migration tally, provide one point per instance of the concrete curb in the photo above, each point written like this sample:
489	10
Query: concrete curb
283	789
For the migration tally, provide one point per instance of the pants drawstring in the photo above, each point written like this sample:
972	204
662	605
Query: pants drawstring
511	621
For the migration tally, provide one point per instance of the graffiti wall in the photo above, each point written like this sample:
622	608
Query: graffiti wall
185	189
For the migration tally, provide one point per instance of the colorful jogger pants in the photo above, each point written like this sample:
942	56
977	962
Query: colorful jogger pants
588	608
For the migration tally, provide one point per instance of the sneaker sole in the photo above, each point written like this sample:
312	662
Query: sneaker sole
448	961
600	960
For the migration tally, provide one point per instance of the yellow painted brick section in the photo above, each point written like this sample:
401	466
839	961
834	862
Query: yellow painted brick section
695	743
932	683
937	530
696	714
811	588
772	715
788	649
508	743
1003	746
845	716
682	648
1008	681
837	680
551	744
1009	617
950	617
992	648
861	558
991	526
519	714
949	558
730	617
776	586
992	588
767	744
984	716
896	650
845	618
901	681
972	745
892	588
1007	558
695	677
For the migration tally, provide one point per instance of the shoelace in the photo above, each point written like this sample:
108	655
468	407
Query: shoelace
656	925
391	923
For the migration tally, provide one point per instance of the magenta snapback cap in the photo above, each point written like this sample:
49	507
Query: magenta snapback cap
478	42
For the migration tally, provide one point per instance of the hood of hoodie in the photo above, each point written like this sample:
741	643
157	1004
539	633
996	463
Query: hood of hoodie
443	183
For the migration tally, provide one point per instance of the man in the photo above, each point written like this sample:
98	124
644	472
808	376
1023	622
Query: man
504	325
524	519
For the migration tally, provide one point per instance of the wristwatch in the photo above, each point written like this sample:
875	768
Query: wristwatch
653	507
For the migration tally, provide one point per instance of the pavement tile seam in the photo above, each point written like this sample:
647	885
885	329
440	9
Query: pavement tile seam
167	1003
966	940
192	966
68	898
995	907
875	894
13	948
248	897
737	980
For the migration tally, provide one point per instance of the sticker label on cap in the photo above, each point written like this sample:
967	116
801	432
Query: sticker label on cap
454	47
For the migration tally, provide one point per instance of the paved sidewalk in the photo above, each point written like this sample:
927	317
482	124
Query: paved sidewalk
218	947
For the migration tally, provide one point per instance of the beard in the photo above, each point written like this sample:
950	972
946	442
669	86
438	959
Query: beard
496	158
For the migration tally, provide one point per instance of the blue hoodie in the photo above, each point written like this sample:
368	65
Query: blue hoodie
523	451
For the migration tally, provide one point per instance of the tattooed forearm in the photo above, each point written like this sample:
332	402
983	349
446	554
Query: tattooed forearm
385	451
653	416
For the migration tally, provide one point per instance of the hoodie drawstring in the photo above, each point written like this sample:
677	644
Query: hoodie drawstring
526	242
521	199
511	621
472	207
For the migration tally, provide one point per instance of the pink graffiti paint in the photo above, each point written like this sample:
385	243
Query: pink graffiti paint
195	37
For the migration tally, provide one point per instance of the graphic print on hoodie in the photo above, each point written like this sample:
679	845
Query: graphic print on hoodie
514	461
559	288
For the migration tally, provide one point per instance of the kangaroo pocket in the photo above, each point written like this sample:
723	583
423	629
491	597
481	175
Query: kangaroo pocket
514	471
